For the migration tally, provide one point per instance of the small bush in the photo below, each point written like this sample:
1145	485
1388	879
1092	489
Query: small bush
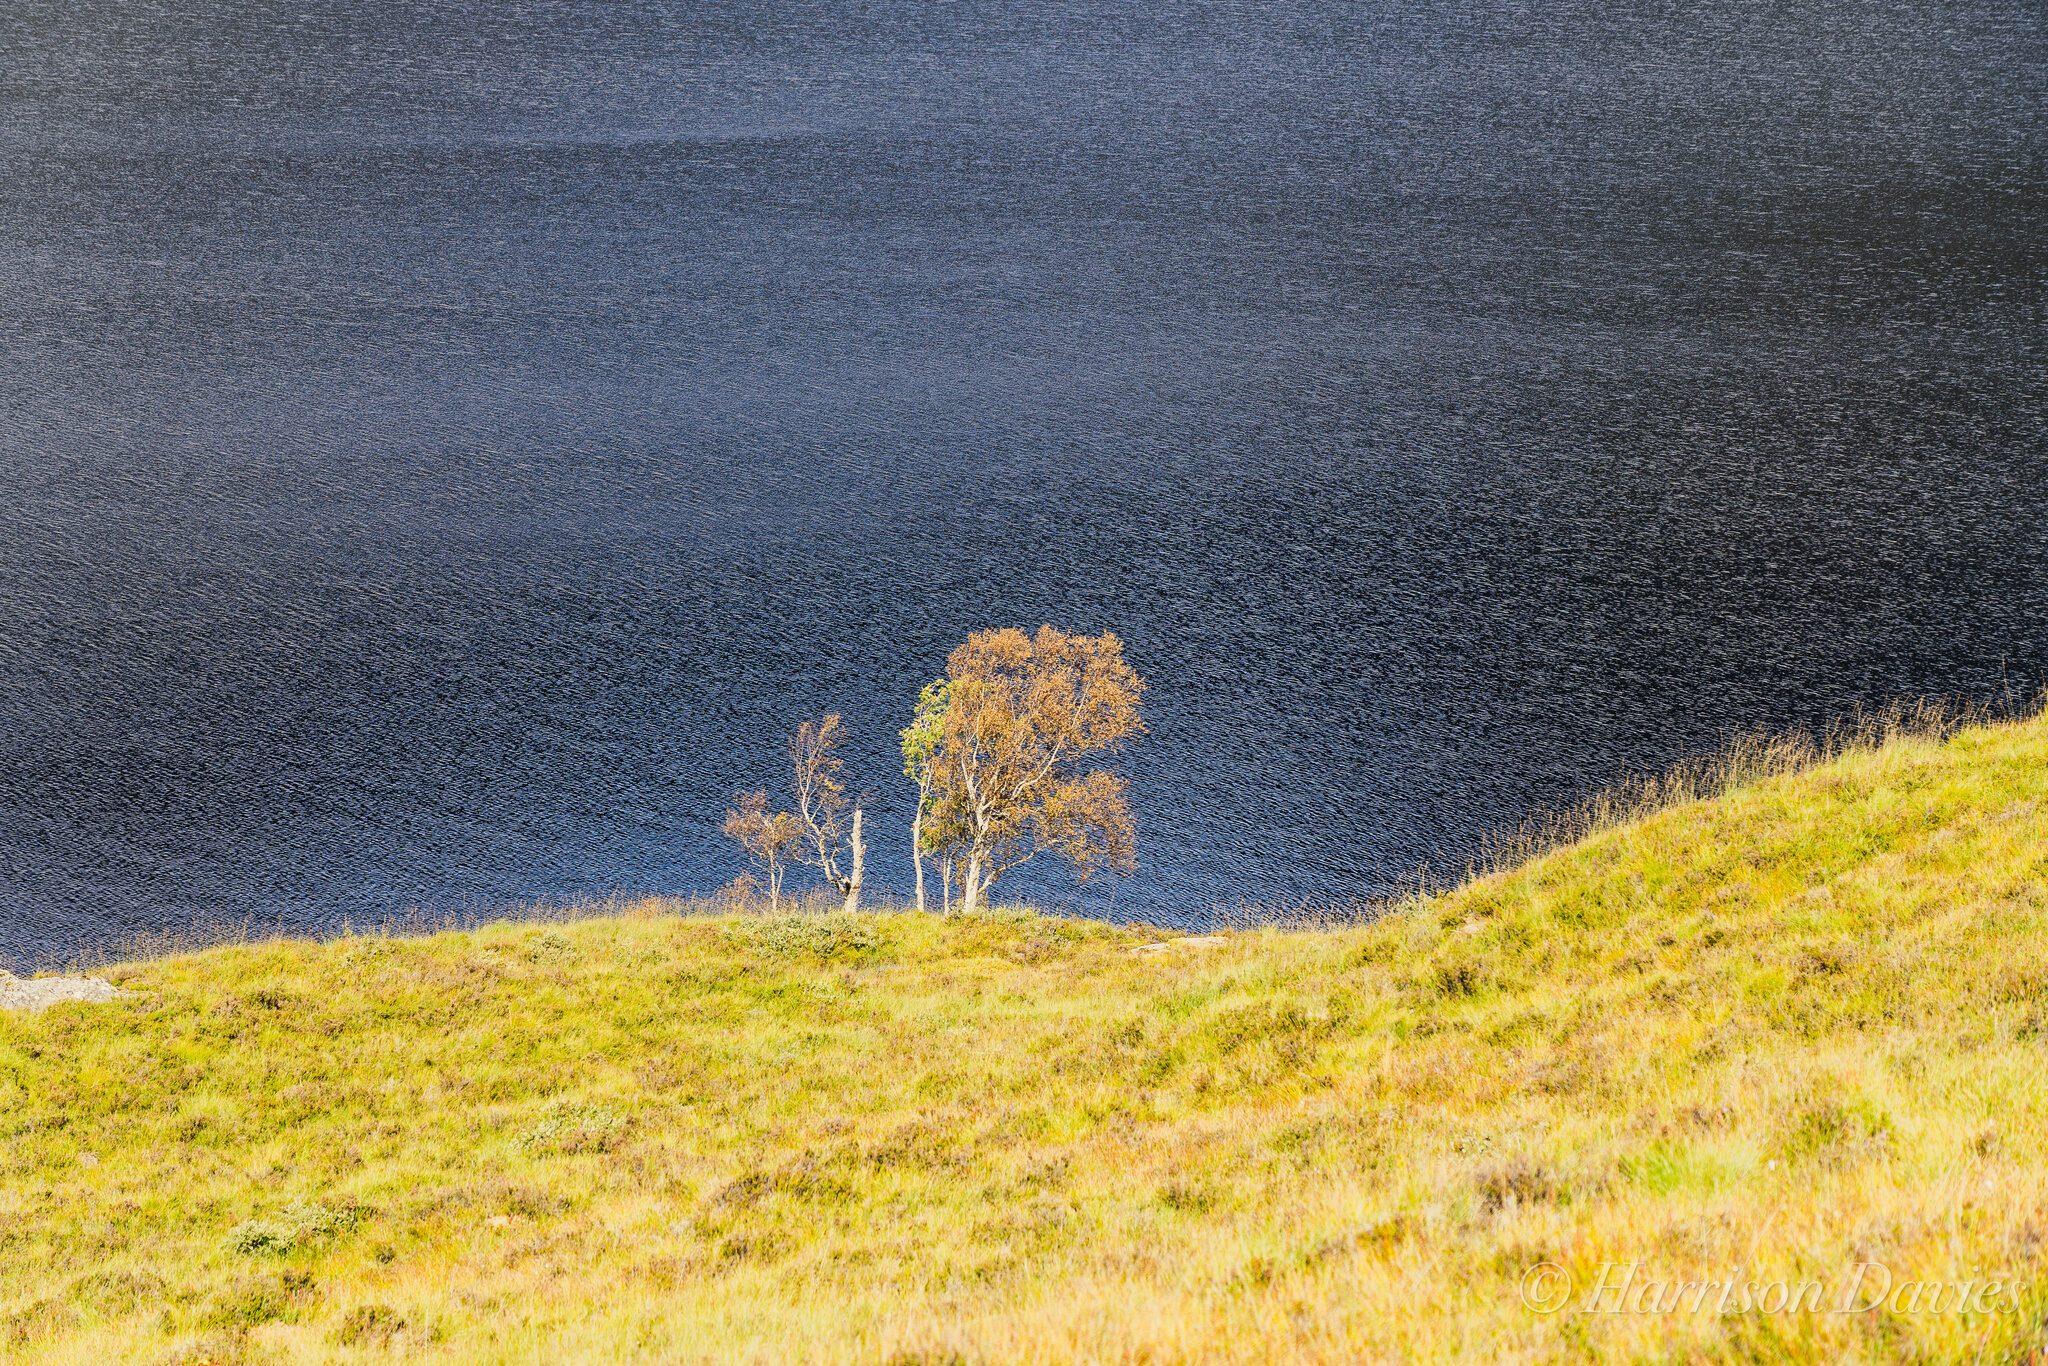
549	947
576	1129
1459	979
44	1318
369	1323
1521	1181
1183	1196
820	938
112	1294
1834	1131
301	1222
254	1303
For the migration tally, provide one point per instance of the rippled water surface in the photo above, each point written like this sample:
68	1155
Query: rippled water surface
443	448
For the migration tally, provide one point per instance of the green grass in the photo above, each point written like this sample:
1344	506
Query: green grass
1772	1035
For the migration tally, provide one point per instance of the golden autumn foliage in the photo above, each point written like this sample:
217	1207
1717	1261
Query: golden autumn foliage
770	838
1024	715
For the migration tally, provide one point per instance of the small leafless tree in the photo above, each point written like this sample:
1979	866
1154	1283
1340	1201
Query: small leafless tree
770	838
829	816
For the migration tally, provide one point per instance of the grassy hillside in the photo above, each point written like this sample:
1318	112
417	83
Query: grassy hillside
1768	1037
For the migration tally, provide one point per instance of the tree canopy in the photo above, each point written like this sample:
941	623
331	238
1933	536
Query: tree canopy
1024	715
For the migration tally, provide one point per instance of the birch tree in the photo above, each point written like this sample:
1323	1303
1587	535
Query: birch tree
769	838
830	818
1024	716
922	740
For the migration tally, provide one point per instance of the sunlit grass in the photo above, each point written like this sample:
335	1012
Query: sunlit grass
1772	1034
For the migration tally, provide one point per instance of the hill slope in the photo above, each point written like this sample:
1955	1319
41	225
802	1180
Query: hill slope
1762	1038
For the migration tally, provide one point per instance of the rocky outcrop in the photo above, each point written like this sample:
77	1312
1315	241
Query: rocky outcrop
34	993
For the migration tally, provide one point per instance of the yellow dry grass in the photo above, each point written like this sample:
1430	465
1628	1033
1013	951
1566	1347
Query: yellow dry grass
1755	1040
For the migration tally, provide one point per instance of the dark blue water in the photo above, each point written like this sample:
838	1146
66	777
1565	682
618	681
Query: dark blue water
444	448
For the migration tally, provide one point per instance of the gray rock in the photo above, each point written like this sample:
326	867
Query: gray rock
33	993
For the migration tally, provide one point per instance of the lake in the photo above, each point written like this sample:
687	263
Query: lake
444	449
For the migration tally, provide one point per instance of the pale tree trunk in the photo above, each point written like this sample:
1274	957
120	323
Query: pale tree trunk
859	850
946	880
917	848
973	886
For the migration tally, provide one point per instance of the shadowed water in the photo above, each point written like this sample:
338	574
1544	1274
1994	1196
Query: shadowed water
442	452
